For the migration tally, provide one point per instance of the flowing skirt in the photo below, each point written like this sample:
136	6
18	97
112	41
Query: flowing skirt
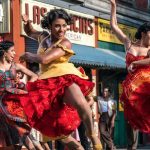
44	107
136	99
12	130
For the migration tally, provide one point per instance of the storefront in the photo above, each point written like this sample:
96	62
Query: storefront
96	48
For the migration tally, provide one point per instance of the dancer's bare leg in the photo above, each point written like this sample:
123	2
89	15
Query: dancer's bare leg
71	143
75	97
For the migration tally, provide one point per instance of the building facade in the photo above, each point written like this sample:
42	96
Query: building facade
96	47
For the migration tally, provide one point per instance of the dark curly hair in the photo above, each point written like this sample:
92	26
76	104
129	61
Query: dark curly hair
53	15
4	46
143	28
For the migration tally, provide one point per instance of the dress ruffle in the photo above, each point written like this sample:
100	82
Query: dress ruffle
44	107
136	98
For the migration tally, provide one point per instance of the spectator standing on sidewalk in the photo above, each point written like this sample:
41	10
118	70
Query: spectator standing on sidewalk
107	111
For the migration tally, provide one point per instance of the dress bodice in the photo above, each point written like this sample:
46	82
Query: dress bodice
59	66
60	60
7	80
131	58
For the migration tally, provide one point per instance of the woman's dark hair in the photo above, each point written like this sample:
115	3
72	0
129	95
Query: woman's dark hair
143	28
4	46
53	15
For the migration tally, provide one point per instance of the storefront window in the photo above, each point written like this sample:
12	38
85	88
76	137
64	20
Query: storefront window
149	5
1	13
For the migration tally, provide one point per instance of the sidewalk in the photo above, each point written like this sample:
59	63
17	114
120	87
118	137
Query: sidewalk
147	147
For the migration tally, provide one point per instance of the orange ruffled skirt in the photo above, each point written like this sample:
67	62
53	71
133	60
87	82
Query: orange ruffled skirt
44	107
136	99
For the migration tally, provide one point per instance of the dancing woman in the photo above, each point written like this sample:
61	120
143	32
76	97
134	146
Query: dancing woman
136	86
57	100
10	108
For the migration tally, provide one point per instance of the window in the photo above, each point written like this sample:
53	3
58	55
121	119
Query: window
1	12
5	16
148	4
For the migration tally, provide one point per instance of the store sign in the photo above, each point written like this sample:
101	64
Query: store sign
82	31
106	34
1	13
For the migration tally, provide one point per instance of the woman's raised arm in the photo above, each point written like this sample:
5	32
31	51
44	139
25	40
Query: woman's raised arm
28	28
113	23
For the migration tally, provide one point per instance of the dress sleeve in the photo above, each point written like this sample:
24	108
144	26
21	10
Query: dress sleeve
65	49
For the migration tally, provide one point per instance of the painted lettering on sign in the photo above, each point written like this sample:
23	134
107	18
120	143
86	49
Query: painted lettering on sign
80	24
81	31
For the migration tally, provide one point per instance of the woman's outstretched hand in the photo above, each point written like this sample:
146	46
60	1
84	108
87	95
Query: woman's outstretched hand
25	18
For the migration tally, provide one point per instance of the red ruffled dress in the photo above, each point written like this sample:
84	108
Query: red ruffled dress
43	105
136	95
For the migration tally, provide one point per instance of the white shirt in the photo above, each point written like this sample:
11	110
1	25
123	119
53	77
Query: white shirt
106	106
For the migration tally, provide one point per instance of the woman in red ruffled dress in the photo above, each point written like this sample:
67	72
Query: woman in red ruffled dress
56	102
136	86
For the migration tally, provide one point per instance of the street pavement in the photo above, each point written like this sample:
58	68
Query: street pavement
147	147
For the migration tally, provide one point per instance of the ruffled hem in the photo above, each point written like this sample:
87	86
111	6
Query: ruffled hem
44	107
12	105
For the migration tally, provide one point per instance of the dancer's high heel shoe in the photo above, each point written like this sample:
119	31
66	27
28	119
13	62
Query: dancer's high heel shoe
97	147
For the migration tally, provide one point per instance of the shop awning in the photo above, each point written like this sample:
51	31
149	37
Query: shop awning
98	57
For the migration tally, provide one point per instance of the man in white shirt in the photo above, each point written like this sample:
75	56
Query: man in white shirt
107	110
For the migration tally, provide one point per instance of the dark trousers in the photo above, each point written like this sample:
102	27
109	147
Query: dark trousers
83	138
105	131
132	137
